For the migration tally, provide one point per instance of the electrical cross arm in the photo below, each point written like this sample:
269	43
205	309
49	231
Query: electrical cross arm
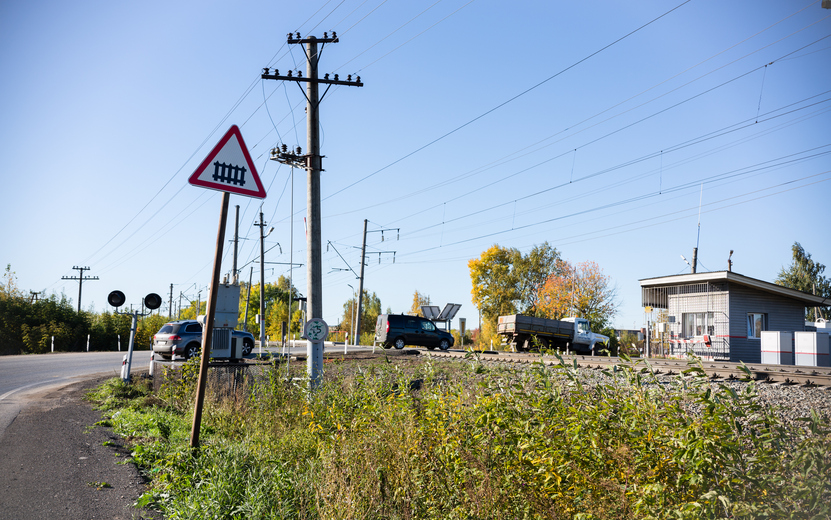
325	79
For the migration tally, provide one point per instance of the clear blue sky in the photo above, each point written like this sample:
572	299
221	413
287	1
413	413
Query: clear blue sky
480	123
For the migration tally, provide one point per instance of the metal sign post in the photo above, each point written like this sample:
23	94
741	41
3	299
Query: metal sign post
207	331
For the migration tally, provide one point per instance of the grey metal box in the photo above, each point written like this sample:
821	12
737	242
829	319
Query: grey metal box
227	306
777	347
811	349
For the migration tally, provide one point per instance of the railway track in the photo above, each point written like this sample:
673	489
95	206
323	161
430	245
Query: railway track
715	370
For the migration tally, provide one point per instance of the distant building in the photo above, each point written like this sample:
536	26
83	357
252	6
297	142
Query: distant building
721	315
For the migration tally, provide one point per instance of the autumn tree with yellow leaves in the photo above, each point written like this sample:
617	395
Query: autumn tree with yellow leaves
580	290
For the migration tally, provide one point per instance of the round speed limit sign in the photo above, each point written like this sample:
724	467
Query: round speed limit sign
317	329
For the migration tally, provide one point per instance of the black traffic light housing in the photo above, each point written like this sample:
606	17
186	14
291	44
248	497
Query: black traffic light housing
152	301
116	299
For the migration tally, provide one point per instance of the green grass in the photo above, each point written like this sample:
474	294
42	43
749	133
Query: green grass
461	440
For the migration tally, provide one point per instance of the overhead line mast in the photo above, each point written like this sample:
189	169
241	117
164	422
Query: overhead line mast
312	162
80	279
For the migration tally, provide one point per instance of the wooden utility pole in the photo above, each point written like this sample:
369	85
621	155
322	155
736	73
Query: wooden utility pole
80	279
313	166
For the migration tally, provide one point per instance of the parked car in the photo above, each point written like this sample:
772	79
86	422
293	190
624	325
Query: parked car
184	338
397	330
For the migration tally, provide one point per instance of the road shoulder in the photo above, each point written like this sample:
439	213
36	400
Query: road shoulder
55	463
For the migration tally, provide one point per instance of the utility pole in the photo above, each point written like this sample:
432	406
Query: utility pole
235	277
80	279
313	168
34	297
261	225
170	304
363	261
361	286
247	299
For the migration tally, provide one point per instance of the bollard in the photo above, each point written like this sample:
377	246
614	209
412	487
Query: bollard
88	342
123	367
53	343
119	342
152	362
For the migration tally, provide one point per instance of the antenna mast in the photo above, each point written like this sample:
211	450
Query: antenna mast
698	238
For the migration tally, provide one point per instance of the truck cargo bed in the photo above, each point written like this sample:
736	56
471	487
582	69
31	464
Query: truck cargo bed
520	324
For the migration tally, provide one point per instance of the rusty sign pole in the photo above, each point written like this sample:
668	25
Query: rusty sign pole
208	328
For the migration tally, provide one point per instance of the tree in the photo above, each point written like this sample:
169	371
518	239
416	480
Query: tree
532	271
8	286
371	308
804	274
581	290
277	303
419	300
494	285
505	281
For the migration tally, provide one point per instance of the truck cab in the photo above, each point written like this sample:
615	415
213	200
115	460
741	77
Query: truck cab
583	334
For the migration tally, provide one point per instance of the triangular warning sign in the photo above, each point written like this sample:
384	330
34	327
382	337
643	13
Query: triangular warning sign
229	168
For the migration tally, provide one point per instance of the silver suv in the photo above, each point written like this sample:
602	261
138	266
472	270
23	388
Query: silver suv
184	338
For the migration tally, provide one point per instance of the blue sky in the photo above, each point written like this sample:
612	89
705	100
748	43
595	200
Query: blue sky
480	123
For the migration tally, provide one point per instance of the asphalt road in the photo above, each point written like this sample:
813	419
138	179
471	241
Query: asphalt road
23	375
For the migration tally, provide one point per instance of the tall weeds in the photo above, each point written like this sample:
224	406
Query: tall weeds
456	441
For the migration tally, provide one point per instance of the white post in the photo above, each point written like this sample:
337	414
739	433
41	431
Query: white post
123	366
53	343
129	355
152	362
119	342
88	335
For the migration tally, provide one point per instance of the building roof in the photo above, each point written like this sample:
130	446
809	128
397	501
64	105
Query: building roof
729	276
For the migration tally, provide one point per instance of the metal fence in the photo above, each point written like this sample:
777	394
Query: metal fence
693	318
233	381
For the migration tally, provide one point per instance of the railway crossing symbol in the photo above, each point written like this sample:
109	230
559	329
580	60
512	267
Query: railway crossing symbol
229	168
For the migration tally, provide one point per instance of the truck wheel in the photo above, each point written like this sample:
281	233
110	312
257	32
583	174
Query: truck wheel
399	343
444	345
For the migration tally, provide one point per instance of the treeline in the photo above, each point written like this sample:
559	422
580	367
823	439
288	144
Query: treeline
33	327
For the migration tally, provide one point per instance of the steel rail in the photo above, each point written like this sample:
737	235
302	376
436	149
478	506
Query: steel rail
715	370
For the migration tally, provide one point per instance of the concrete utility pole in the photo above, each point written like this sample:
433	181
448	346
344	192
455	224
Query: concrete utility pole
80	279
313	168
363	262
261	225
361	287
235	276
170	304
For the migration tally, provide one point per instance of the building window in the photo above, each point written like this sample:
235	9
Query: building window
756	323
698	324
